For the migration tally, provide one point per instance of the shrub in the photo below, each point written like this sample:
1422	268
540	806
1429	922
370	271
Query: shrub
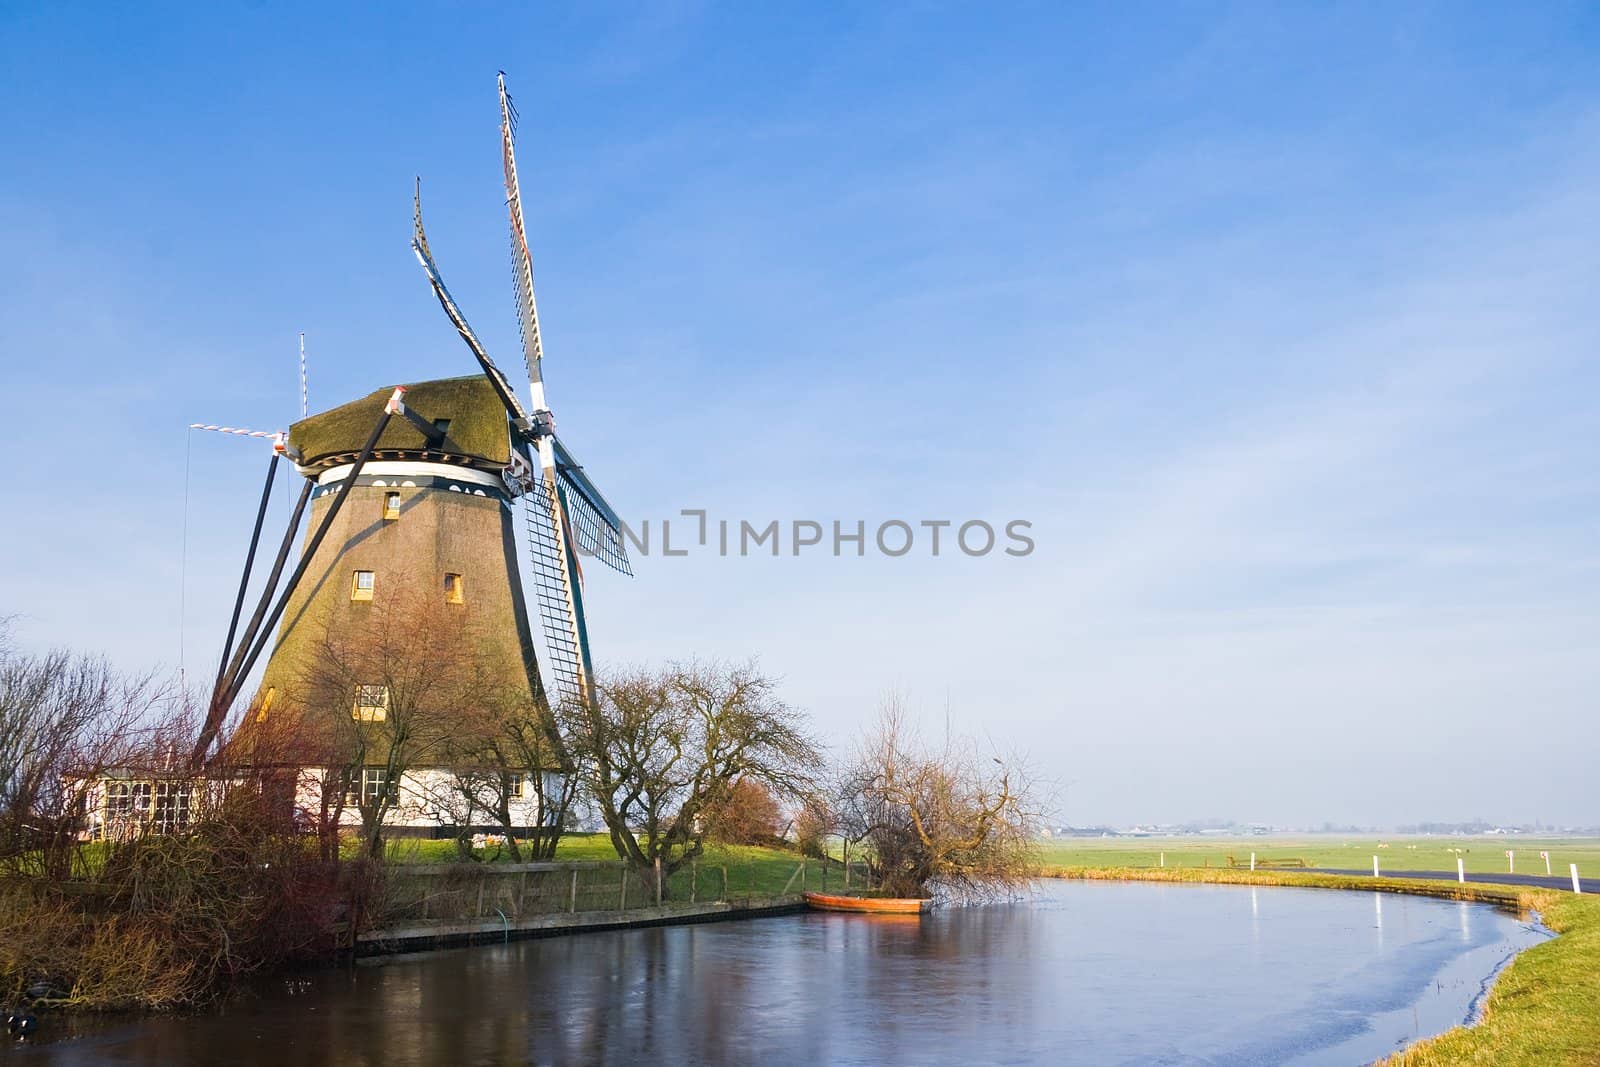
747	816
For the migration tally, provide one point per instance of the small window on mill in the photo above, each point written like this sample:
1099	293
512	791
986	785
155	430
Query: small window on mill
453	591
371	704
442	425
391	504
361	585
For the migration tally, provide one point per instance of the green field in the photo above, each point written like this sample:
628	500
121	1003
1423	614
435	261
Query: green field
751	870
1331	852
754	871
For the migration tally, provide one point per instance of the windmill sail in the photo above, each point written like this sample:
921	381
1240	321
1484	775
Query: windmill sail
521	258
564	512
554	572
502	386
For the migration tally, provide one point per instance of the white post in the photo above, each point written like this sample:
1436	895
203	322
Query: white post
1375	867
1461	870
1575	887
1546	856
1163	859
1511	862
1252	861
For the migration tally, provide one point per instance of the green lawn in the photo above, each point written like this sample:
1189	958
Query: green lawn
1480	854
1544	1008
751	870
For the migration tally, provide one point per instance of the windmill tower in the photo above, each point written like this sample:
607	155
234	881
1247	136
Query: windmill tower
422	484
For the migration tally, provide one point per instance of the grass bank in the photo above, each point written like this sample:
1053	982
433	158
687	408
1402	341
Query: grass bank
752	870
1482	854
1544	1009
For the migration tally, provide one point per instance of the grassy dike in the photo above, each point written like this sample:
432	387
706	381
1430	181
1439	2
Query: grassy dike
1544	1008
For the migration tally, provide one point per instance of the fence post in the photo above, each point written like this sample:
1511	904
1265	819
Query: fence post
482	878
1575	887
522	894
572	906
724	882
1461	869
694	881
622	894
847	865
1252	861
658	881
1375	867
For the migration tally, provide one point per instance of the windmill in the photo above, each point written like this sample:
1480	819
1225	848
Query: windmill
462	454
565	513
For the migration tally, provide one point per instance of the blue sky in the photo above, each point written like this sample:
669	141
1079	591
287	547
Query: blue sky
1278	325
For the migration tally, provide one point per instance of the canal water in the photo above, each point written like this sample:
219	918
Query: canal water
1083	972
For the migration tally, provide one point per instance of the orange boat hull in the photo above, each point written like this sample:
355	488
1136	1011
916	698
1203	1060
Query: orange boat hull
869	905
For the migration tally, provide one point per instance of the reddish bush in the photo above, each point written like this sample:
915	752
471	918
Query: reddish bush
749	816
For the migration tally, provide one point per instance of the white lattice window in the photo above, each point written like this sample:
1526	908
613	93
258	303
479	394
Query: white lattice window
127	801
172	806
375	785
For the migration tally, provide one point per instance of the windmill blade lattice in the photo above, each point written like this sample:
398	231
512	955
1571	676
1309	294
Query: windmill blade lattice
595	534
552	590
521	257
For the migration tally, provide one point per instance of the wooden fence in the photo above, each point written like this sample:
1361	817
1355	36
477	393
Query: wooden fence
439	891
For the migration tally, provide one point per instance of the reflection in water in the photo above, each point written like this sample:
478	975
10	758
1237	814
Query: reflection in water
1086	972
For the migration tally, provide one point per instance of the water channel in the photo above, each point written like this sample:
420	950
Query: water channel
1091	973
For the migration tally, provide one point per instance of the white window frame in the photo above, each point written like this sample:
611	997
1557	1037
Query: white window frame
375	783
173	803
127	801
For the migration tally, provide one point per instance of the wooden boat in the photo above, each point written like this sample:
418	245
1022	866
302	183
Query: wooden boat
869	905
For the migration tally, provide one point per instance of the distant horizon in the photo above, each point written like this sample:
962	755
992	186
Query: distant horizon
1160	829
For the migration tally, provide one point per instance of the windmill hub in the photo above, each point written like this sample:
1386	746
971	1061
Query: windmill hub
539	425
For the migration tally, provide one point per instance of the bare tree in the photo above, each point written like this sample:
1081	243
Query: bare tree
387	697
814	823
514	760
660	748
951	821
65	720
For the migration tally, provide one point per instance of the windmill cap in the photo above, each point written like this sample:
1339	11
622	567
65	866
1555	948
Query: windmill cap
477	433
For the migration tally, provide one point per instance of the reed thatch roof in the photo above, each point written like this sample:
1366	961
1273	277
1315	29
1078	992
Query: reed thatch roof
478	428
